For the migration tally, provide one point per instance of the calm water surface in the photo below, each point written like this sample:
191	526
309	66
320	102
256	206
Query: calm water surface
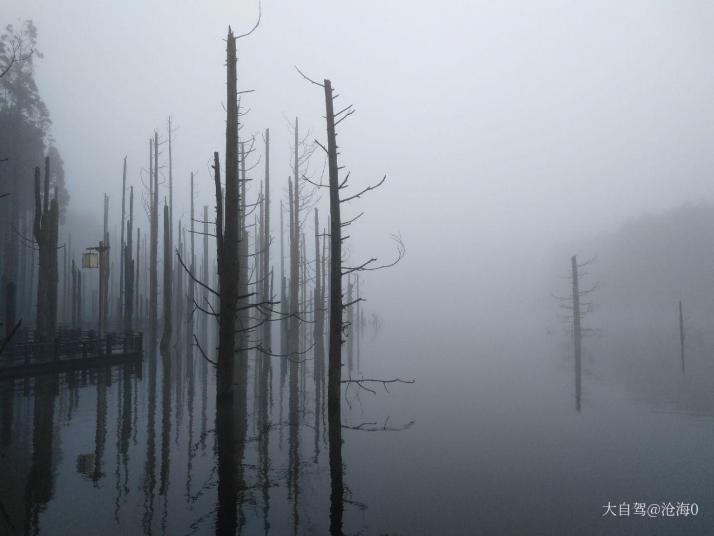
489	440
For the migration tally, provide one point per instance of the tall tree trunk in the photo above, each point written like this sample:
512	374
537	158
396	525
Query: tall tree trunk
681	335
318	336
357	328
166	338
228	271
265	255
191	287
129	268
137	281
284	307
334	410
577	332
227	250
205	302
294	323
105	273
46	234
153	246
122	245
242	266
350	327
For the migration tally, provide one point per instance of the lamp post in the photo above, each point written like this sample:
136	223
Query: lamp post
89	260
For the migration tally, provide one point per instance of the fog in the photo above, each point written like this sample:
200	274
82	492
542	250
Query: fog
513	135
504	128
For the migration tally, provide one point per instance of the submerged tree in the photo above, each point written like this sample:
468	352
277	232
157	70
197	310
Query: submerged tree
577	309
167	294
337	306
129	268
153	236
46	233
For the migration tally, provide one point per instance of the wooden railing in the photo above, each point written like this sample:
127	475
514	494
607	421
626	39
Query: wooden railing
24	349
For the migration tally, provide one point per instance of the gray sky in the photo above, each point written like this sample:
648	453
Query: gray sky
504	127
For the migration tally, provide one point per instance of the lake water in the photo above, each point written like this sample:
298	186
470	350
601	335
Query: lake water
489	440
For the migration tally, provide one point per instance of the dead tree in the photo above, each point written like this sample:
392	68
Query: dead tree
349	326
227	236
318	334
154	240
191	286
337	306
122	264
128	270
205	300
76	284
46	234
166	337
178	302
265	251
104	310
293	322
137	280
681	335
577	329
357	326
243	256
577	309
283	305
10	298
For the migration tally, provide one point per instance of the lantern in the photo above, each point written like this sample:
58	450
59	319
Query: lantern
90	259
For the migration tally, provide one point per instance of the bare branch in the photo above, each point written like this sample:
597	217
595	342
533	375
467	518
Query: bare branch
373	187
193	277
308	78
204	353
257	23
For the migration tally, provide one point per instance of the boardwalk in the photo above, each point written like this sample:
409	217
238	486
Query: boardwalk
71	350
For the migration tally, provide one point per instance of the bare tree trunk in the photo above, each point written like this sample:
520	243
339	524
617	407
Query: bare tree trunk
319	337
74	291
122	245
334	410
166	338
128	270
206	279
350	326
242	264
228	260
153	246
265	255
577	333
293	326
191	287
357	327
171	190
104	309
294	323
10	291
681	334
63	305
285	321
46	234
137	296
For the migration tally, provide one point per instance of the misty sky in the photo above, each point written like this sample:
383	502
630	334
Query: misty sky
504	127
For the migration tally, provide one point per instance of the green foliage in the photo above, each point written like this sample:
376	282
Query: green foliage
24	120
